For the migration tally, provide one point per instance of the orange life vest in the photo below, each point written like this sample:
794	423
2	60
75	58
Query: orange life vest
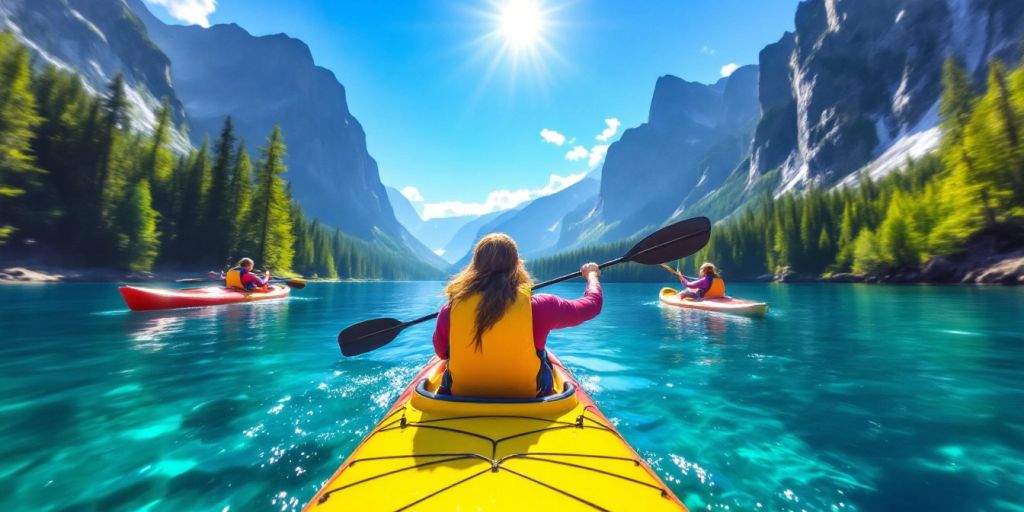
507	365
717	288
233	279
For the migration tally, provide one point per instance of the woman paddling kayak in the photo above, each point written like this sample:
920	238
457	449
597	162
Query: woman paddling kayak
710	284
241	277
493	333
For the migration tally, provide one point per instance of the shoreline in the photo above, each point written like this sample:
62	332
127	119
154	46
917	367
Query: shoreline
27	273
1007	272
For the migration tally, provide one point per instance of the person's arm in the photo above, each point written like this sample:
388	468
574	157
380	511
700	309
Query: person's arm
442	332
701	284
551	312
253	279
683	281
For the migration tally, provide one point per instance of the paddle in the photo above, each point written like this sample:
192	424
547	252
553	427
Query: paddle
670	270
669	243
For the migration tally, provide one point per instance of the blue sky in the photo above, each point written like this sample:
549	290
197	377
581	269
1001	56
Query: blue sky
448	112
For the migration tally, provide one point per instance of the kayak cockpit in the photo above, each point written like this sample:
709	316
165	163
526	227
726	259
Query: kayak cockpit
426	398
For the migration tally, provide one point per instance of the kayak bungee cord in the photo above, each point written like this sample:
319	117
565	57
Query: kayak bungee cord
583	421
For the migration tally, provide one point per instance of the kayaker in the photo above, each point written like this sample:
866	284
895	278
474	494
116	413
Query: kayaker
493	333
709	285
241	277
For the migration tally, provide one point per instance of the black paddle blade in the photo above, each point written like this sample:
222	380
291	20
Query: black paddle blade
672	242
369	335
298	284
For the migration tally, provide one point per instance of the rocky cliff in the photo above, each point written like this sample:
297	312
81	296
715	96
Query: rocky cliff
858	82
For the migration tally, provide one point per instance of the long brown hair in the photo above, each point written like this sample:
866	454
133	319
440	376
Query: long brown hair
496	273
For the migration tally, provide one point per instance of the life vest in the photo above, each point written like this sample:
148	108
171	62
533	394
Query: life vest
507	365
233	278
716	289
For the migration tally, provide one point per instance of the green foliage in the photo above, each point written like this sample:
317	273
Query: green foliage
239	199
866	253
18	119
76	177
217	215
138	240
931	207
270	219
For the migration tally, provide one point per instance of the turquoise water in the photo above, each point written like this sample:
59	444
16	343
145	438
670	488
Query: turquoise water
846	397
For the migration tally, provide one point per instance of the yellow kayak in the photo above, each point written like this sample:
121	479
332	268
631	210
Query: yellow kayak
433	452
720	304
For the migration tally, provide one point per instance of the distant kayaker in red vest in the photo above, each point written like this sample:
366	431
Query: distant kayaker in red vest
493	332
241	277
709	285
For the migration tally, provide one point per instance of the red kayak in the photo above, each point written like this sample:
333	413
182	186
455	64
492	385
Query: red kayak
148	299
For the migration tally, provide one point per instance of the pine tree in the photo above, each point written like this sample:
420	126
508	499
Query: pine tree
138	239
192	193
18	119
218	216
271	218
159	161
897	239
866	253
239	200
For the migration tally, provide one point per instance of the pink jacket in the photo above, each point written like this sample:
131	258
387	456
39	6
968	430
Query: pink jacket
549	313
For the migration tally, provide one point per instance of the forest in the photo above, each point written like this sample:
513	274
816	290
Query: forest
78	181
932	207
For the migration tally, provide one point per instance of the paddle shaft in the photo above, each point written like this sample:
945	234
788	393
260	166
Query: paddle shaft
549	282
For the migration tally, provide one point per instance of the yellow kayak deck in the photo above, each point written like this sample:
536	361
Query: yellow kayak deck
434	453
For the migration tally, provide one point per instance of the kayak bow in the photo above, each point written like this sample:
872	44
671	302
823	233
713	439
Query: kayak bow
433	452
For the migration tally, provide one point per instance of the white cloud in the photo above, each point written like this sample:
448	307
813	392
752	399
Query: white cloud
597	154
610	131
413	194
552	136
594	156
577	153
499	199
193	12
557	183
707	50
729	68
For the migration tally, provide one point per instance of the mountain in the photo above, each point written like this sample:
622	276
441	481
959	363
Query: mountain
854	88
857	84
262	81
537	225
463	239
98	39
207	74
694	137
434	233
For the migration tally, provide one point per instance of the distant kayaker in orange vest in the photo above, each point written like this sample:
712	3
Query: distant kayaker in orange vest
709	285
493	332
241	277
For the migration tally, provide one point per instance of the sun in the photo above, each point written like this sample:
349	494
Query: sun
516	40
521	23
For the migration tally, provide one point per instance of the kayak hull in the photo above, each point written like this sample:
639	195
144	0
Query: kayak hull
453	453
719	304
150	299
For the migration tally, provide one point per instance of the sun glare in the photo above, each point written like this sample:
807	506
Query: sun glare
521	23
516	39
